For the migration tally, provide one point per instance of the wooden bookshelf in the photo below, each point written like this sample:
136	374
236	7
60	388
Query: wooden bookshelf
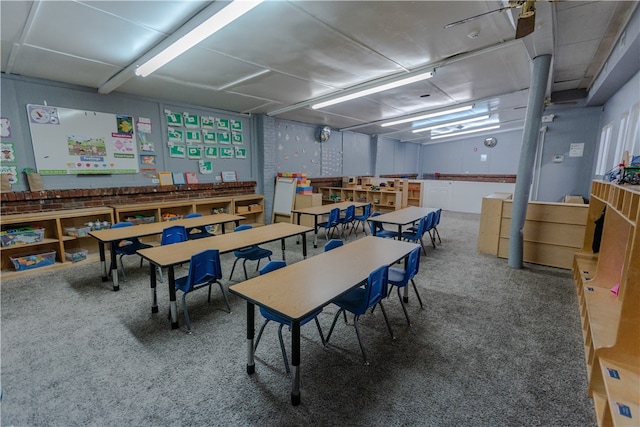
382	200
610	322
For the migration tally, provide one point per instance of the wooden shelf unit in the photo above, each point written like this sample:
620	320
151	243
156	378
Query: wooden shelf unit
611	323
55	238
251	207
382	200
179	207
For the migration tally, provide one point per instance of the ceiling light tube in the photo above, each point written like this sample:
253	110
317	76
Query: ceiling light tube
446	135
458	122
375	89
429	115
218	21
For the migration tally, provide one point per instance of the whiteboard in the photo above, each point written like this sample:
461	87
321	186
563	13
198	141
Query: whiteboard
67	141
284	196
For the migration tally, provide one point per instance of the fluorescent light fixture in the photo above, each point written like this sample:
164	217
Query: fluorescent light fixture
429	116
375	89
218	21
458	122
446	135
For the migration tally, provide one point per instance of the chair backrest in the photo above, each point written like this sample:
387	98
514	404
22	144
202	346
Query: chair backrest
243	227
375	225
272	265
193	215
376	286
421	229
350	213
429	221
174	234
413	263
334	216
367	211
436	221
122	224
332	244
204	267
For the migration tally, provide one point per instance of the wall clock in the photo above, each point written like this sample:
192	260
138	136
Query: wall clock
490	142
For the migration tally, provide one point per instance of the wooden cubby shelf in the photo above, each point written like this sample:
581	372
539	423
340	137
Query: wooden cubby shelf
608	290
55	238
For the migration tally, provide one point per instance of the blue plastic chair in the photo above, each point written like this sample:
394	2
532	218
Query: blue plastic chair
251	253
272	316
400	278
416	236
173	234
204	270
128	246
380	231
362	219
428	227
332	244
331	223
434	228
359	300
197	232
348	219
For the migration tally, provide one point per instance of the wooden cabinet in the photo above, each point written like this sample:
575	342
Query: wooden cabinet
610	321
58	226
306	201
552	232
155	212
383	200
251	207
415	192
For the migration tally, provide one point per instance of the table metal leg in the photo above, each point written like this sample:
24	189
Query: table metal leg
405	297
114	267
399	232
251	364
295	363
154	295
298	238
103	262
315	231
304	245
172	298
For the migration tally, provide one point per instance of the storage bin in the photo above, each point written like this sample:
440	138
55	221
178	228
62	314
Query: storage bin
75	255
77	231
21	236
242	209
29	262
141	219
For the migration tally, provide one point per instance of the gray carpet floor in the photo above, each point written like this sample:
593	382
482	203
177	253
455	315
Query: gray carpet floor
493	346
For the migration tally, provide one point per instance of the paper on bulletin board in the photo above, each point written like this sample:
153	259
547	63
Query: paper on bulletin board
576	149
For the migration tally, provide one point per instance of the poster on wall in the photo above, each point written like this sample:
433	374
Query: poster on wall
67	141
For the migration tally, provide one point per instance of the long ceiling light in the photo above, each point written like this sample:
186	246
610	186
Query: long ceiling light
446	135
458	122
218	21
375	89
428	116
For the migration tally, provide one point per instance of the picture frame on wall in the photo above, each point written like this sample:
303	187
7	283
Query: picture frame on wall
229	176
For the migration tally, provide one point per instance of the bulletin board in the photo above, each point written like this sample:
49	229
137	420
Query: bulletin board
67	141
284	198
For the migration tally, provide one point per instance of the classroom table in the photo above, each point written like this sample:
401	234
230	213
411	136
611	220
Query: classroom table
402	217
319	211
112	235
299	289
179	253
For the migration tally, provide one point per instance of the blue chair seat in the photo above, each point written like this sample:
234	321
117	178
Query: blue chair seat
128	246
400	278
250	253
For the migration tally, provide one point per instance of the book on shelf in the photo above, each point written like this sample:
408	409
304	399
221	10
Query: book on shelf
178	178
166	178
191	177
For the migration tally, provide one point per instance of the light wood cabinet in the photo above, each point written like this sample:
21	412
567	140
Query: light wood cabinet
251	207
383	200
610	322
55	237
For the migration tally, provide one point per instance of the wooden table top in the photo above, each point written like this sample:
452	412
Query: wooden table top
301	288
178	253
140	230
403	216
325	209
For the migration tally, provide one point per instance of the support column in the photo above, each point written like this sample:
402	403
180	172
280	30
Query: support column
532	122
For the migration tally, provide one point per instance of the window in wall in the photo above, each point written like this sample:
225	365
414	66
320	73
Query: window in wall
603	151
632	144
620	144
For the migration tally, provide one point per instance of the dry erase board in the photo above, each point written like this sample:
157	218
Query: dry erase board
67	141
284	197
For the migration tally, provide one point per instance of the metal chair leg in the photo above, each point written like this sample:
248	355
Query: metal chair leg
284	351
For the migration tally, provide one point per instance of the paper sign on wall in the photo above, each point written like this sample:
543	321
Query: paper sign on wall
576	149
